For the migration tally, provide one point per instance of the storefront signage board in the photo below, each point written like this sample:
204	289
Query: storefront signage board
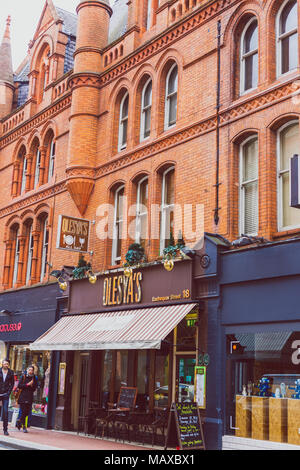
187	421
149	285
73	234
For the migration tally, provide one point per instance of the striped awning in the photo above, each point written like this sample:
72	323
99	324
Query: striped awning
143	328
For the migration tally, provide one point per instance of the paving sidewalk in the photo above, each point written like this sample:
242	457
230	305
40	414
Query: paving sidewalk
42	439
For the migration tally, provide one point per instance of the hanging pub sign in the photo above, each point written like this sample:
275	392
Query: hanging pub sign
73	234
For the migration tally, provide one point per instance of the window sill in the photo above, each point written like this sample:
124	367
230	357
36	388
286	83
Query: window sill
286	233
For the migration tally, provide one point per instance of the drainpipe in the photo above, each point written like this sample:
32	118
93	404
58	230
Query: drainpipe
217	208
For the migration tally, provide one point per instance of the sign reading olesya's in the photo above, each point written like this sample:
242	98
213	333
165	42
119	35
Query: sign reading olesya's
120	289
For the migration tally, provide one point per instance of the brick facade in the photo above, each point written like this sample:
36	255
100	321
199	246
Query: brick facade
80	108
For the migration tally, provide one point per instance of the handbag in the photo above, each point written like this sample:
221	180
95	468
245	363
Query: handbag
17	393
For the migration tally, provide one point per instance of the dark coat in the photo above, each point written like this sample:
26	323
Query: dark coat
7	386
27	391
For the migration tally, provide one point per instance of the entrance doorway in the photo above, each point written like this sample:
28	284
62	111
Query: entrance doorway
184	388
80	387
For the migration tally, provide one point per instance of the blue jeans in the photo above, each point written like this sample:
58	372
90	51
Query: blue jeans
4	412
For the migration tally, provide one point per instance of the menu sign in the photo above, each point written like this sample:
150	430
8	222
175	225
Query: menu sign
188	425
73	234
127	397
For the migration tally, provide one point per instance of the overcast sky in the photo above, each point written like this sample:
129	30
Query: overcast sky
25	15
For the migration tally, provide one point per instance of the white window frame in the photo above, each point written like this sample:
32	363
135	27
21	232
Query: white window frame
280	173
51	159
149	10
16	259
45	247
279	39
144	109
122	146
114	257
243	58
29	255
37	168
24	170
242	185
167	125
140	213
164	209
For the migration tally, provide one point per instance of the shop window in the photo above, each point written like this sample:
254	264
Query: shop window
249	187
106	378
20	358
118	225
171	97
186	336
263	385
167	207
120	372
288	145
143	375
287	37
123	122
249	56
146	110
141	231
162	389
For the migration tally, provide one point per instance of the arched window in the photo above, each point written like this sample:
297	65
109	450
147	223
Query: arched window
249	187
123	122
167	207
51	159
45	247
16	256
287	37
249	56
146	110
171	97
118	225
141	230
287	145
148	18
37	160
23	174
29	252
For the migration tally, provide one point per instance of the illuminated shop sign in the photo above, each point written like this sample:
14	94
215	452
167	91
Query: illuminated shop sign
10	327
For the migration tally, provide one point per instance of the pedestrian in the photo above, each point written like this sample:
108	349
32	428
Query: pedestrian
27	384
7	381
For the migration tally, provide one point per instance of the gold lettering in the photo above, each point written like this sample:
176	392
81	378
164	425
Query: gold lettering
125	285
138	296
105	291
130	290
120	292
109	291
114	290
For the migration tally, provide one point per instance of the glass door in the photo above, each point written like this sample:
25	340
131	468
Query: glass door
184	387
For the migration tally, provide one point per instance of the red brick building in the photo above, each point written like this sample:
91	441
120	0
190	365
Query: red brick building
169	103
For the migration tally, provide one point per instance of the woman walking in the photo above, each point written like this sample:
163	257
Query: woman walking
27	384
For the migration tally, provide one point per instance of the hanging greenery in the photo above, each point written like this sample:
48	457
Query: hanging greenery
81	269
173	248
135	255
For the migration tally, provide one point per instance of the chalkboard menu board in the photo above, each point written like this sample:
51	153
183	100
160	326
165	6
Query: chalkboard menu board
127	397
187	420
